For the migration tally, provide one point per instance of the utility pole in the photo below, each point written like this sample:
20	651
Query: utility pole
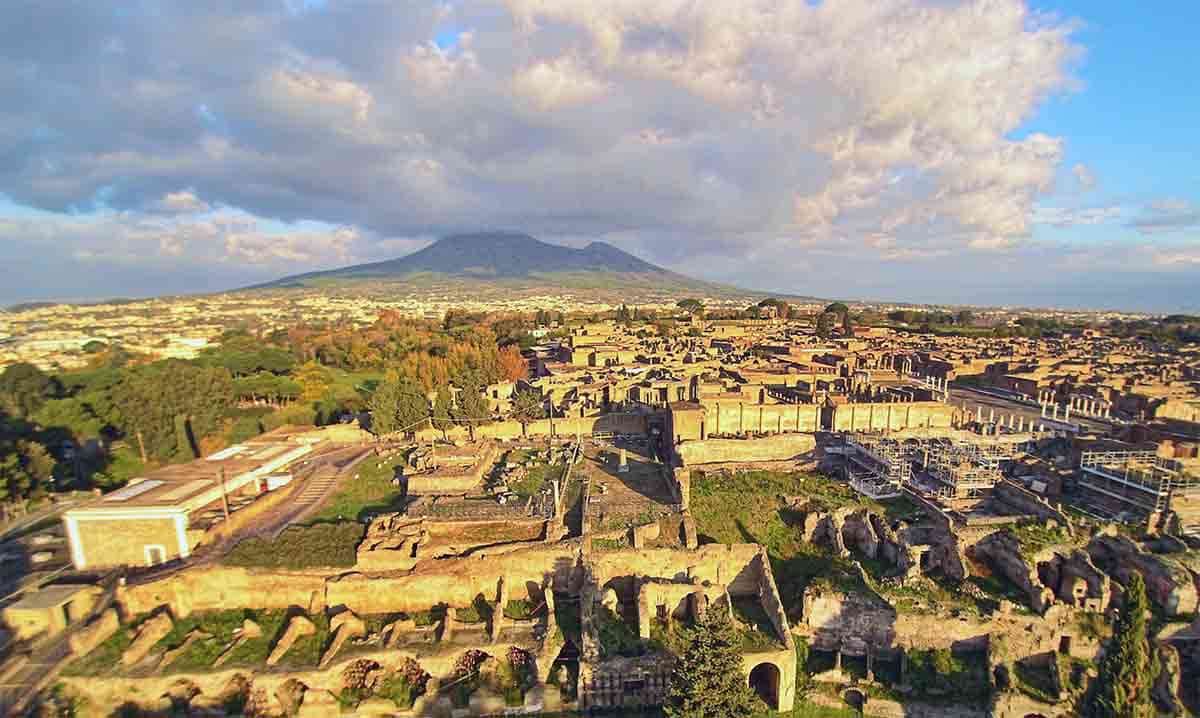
224	496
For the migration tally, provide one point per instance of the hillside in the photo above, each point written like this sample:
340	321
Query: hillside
509	259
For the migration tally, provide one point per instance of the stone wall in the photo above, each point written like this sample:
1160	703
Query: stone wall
780	447
1022	501
893	417
614	423
726	416
123	542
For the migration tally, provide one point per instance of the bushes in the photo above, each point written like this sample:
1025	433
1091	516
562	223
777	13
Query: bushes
319	545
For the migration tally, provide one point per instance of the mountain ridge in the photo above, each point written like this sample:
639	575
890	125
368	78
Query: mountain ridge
505	256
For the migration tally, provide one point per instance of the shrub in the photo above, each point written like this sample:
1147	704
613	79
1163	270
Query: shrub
298	547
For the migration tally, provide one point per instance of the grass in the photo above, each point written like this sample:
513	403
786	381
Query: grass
615	636
756	629
518	610
745	507
1036	537
298	547
370	494
610	544
199	657
537	475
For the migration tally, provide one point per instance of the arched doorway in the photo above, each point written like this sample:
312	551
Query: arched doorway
764	679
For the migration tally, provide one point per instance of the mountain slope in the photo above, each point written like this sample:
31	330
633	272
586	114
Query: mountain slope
506	256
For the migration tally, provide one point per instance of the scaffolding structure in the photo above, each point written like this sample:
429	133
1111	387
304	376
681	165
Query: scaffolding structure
1140	483
877	466
964	469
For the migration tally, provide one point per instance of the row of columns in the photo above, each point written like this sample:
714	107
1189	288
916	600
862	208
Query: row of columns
1011	422
1077	403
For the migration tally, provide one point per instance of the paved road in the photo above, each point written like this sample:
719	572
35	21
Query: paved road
974	398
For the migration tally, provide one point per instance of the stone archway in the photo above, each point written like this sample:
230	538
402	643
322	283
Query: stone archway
764	679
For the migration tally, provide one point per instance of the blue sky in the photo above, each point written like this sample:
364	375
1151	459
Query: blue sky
950	151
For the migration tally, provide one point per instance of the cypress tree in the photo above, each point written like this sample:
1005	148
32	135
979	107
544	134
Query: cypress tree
707	680
1128	668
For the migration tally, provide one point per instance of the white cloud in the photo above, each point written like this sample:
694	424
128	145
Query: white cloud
1170	214
1084	176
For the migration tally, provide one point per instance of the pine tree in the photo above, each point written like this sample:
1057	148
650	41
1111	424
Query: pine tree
707	680
441	411
1128	668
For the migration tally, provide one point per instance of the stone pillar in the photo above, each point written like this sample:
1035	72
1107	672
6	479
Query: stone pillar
1056	412
1068	415
992	416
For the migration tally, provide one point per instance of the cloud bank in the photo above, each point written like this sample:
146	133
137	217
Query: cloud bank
288	136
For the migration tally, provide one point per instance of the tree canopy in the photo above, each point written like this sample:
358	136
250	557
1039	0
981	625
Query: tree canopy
1129	666
707	679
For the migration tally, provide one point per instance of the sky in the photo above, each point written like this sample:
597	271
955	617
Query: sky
983	152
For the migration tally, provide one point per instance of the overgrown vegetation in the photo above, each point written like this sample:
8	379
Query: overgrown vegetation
370	493
1130	665
318	545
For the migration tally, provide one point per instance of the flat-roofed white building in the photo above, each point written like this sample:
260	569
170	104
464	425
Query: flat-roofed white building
163	515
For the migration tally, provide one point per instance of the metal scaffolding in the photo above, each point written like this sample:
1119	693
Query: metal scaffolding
1135	481
964	469
877	466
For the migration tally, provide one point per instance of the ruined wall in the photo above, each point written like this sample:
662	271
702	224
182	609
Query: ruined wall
615	423
893	417
737	417
214	588
780	447
1021	500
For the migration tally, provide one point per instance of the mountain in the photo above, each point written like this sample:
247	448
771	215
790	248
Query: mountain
511	259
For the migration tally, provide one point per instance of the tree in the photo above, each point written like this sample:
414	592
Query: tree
528	407
838	309
441	410
398	404
1129	667
707	679
512	365
472	409
314	381
148	398
847	324
825	325
964	317
24	388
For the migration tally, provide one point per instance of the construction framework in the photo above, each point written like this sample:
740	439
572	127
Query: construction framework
876	466
1140	483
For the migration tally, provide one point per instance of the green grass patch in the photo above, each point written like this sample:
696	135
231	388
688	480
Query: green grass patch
745	507
298	547
1036	537
369	494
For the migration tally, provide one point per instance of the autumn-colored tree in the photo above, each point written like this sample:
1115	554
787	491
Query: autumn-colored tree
314	381
512	365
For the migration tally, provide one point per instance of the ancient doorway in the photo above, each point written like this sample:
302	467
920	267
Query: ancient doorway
764	679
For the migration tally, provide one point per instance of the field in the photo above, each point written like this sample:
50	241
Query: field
371	493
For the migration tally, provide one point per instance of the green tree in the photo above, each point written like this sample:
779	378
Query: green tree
964	317
441	410
528	407
398	404
825	323
24	388
707	679
472	409
837	308
847	324
149	397
1128	668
